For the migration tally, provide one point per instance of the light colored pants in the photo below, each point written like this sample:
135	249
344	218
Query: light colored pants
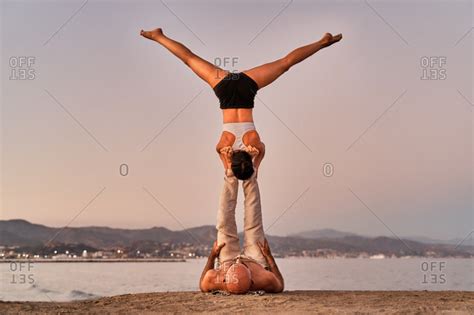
253	226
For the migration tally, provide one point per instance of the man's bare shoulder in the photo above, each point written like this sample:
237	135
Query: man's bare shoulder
262	278
255	267
213	280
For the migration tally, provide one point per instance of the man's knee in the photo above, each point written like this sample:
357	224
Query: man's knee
286	63
220	225
225	224
187	60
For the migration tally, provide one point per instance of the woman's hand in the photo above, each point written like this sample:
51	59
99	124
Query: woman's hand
253	151
226	150
226	153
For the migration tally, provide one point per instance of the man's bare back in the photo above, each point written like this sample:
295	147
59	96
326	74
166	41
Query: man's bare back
241	275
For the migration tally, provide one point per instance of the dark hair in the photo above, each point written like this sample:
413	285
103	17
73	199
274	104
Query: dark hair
242	165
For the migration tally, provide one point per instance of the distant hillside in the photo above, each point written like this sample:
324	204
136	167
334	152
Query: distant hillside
334	234
323	233
22	233
469	241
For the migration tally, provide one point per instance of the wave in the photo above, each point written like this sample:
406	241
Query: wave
81	295
39	294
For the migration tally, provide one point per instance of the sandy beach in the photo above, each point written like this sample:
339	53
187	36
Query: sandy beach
327	302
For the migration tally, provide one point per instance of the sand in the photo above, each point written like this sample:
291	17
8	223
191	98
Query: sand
323	302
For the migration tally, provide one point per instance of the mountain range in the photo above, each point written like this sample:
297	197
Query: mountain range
21	233
330	233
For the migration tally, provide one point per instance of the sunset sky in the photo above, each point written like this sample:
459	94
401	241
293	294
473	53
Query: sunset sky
102	96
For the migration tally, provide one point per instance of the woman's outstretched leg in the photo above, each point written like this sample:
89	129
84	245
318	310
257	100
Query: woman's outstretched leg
204	69
265	74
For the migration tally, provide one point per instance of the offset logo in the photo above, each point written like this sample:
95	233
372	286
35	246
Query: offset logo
433	272
21	272
123	169
227	63
433	68
22	68
328	169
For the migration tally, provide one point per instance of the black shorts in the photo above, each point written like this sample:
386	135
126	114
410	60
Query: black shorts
236	90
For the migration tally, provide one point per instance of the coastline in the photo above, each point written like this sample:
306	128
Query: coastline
327	302
93	260
203	258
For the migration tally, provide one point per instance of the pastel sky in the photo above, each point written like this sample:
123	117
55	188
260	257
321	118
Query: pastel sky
401	147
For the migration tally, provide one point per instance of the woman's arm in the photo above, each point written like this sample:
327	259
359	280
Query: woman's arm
225	155
225	150
257	152
261	154
255	147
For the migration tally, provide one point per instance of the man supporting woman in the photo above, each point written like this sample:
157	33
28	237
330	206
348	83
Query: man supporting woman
241	152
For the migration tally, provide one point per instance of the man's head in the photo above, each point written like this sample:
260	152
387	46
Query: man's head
242	165
238	279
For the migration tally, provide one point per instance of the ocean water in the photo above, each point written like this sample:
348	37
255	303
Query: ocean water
76	281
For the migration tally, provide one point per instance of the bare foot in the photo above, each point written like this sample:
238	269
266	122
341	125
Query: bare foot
328	39
153	35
